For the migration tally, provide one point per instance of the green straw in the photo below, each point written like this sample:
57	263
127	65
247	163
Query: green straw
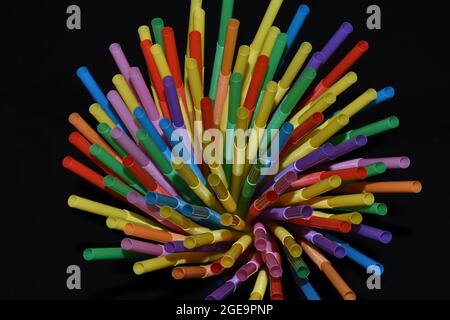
165	167
275	57
378	208
105	132
117	186
98	254
233	105
291	100
225	15
108	160
369	130
153	151
235	96
274	60
249	188
215	72
157	26
375	169
300	267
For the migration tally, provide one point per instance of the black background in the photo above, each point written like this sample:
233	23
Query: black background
41	236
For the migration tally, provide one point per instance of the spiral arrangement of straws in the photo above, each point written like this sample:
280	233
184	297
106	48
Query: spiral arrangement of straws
230	182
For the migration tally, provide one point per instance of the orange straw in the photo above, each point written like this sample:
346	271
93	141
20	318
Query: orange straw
86	130
225	71
382	187
143	232
255	84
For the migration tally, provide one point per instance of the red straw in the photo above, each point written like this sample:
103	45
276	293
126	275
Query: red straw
324	223
207	113
307	180
255	84
195	49
82	144
88	174
140	173
155	77
276	288
351	174
170	47
358	173
302	130
84	172
346	63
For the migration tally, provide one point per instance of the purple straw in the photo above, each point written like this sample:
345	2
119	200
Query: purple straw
248	269
348	164
287	213
136	199
129	146
349	146
142	247
123	112
391	162
224	290
271	261
322	242
120	60
272	264
372	233
313	159
284	182
172	100
317	59
336	40
141	158
260	240
144	95
178	246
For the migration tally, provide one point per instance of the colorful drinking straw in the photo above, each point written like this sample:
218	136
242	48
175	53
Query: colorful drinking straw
276	179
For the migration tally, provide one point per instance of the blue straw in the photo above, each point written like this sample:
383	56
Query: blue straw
168	128
293	30
382	95
305	286
98	95
296	25
148	126
357	256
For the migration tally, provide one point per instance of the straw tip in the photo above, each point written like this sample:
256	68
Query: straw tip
389	92
227	261
335	181
126	244
138	268
74	117
72	201
303	8
82	71
178	273
347	27
114	47
88	254
165	212
189	243
118	79
67	162
416	186
363	45
157	21
306	47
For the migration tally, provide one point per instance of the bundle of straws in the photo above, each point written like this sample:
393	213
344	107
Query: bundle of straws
232	181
